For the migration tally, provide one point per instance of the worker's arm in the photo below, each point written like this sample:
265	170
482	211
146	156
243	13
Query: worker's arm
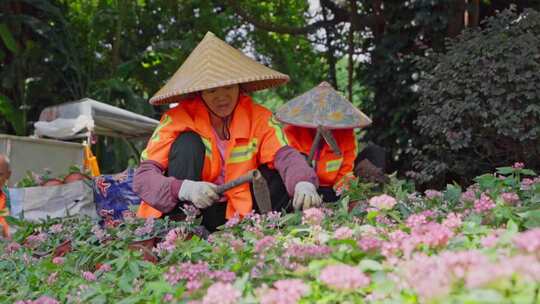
160	191
149	182
277	154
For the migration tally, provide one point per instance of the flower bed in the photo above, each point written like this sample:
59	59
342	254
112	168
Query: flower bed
389	245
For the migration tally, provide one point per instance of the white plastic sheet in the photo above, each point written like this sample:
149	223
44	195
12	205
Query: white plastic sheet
103	119
36	203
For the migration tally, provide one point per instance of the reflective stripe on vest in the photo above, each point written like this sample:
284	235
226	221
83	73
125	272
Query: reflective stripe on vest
207	147
243	153
164	122
273	123
333	165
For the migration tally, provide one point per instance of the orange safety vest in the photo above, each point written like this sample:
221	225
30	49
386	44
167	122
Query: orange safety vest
332	170
4	212
255	139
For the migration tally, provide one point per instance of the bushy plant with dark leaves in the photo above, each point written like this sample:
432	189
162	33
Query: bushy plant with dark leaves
480	101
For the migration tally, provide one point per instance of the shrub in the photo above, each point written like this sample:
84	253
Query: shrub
480	101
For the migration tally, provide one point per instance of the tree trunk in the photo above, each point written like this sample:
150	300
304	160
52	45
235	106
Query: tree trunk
353	14
456	16
332	77
474	13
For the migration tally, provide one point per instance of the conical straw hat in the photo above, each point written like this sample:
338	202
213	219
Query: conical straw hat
322	106
214	63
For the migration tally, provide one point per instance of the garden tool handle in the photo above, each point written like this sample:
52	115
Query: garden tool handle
314	146
246	178
329	138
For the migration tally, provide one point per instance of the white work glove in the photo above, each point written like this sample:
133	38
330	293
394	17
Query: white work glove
305	196
201	194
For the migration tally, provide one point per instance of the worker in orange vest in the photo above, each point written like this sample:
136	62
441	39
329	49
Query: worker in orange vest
5	173
216	134
320	124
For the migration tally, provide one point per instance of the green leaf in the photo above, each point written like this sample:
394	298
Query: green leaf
505	170
344	204
12	114
134	268
532	218
125	284
512	227
370	265
159	287
8	39
527	172
372	214
452	193
483	296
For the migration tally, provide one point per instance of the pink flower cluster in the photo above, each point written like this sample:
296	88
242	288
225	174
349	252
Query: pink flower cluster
56	228
187	271
272	218
343	277
369	244
432	276
313	216
452	221
526	266
224	276
415	220
221	293
285	292
194	273
89	276
432	234
343	233
100	234
264	244
528	241
191	212
169	244
58	260
469	195
382	202
527	183
510	198
35	240
483	204
235	220
433	194
518	165
305	252
12	247
146	229
105	268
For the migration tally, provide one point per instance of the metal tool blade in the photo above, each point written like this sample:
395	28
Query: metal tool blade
261	192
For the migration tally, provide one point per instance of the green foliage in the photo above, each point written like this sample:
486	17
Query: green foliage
389	74
390	247
480	101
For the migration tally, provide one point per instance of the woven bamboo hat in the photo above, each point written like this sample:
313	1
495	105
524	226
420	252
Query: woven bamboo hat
322	106
214	63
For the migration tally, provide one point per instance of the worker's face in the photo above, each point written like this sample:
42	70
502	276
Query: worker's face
221	100
4	172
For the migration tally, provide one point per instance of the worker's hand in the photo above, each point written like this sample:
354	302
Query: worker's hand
305	196
201	194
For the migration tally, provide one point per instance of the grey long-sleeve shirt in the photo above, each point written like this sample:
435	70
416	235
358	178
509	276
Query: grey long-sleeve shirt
161	192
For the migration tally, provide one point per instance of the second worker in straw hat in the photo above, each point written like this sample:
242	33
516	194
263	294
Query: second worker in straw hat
217	134
320	124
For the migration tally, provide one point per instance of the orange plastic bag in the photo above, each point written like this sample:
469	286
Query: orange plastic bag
90	161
